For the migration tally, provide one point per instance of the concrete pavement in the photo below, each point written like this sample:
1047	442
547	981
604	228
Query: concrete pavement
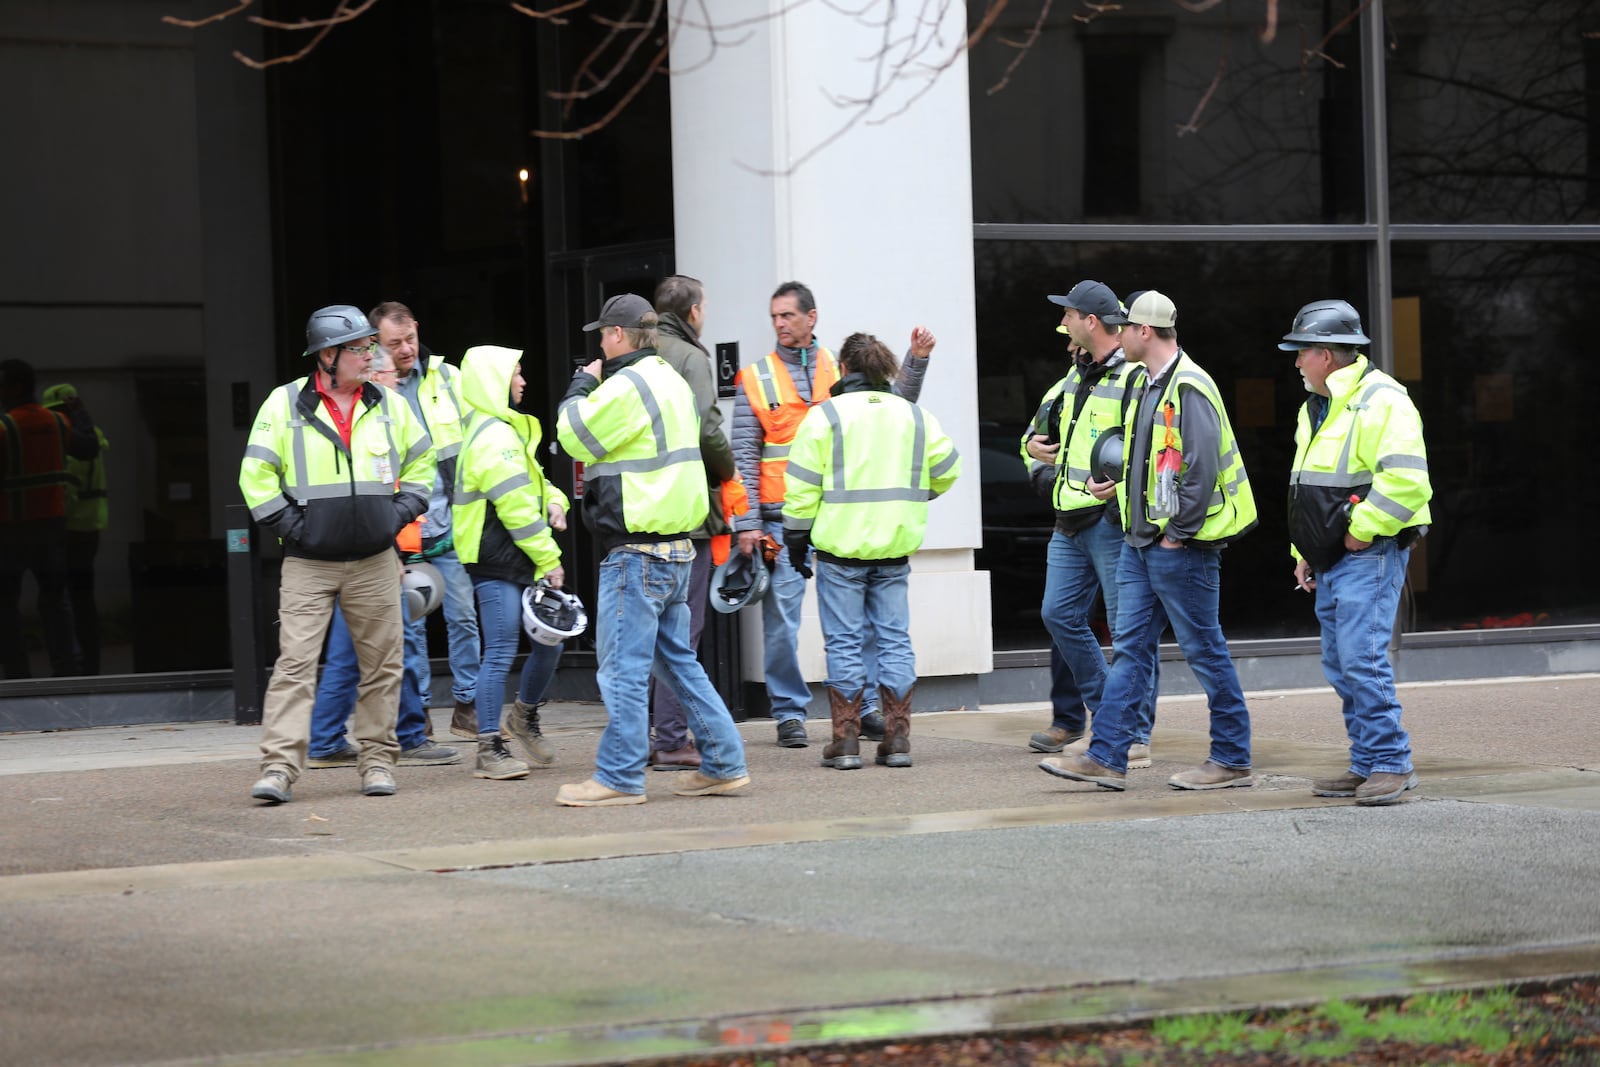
152	913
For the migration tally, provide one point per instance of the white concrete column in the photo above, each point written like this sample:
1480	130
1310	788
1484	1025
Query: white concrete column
777	176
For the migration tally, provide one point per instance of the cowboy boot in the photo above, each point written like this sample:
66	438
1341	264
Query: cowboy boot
895	748
844	752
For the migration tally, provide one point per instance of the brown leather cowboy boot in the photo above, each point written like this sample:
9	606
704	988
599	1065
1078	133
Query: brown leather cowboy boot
895	748
843	753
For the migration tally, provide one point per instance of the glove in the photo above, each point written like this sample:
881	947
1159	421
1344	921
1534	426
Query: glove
798	542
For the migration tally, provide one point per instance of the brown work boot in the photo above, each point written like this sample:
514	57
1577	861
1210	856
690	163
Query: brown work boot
1384	788
464	721
843	753
523	724
1343	786
895	748
1080	768
686	758
1213	776
1054	739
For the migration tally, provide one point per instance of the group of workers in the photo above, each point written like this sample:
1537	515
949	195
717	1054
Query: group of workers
827	476
1134	448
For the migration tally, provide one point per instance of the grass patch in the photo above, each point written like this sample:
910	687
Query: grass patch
1487	1020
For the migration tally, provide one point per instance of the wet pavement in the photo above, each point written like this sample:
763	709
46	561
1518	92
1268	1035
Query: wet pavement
151	913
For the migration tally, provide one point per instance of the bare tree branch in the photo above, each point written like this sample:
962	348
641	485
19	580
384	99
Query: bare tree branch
195	24
554	14
656	65
1023	47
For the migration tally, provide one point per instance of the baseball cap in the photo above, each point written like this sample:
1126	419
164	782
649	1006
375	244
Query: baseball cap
57	395
625	310
1153	309
1093	298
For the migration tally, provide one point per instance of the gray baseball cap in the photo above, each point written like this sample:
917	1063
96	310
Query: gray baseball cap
1094	298
626	310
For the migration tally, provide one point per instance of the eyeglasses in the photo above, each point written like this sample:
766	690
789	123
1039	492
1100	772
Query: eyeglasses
366	349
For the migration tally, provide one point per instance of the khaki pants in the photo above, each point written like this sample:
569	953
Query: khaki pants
368	590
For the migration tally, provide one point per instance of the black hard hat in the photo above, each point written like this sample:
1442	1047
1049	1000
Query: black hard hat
1105	459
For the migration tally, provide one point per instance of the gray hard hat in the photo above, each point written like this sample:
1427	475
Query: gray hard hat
1105	459
334	325
1325	322
738	581
422	589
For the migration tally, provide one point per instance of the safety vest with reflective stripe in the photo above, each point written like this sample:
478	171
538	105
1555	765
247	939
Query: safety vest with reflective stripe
33	464
442	408
862	469
777	404
346	496
1106	408
638	434
86	494
1369	446
1232	508
497	467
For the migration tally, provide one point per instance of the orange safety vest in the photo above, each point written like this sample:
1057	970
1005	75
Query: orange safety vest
776	402
735	502
33	464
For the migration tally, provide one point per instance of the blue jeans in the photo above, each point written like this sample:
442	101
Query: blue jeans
1356	604
642	626
780	636
671	725
460	628
336	693
1155	585
1066	702
1077	568
500	614
866	608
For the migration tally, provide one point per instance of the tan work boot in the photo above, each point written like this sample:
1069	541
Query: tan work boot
1345	785
523	724
464	721
843	753
496	762
895	748
1384	787
1213	776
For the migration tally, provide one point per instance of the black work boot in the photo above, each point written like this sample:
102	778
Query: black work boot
843	753
895	748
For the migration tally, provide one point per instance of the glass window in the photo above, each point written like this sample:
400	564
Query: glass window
1161	116
1490	339
1235	301
1491	115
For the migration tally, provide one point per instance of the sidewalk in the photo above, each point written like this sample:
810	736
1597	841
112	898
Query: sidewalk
152	913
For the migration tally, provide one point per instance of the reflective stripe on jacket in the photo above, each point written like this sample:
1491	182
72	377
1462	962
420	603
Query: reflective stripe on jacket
33	464
325	500
638	434
87	508
863	467
1369	446
776	402
502	500
1231	509
1109	386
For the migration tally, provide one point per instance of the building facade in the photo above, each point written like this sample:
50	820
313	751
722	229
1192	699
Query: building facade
174	215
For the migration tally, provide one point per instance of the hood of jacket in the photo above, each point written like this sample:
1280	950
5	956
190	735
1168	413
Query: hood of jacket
486	372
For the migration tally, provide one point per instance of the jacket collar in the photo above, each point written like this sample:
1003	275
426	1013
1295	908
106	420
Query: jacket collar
627	359
857	383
